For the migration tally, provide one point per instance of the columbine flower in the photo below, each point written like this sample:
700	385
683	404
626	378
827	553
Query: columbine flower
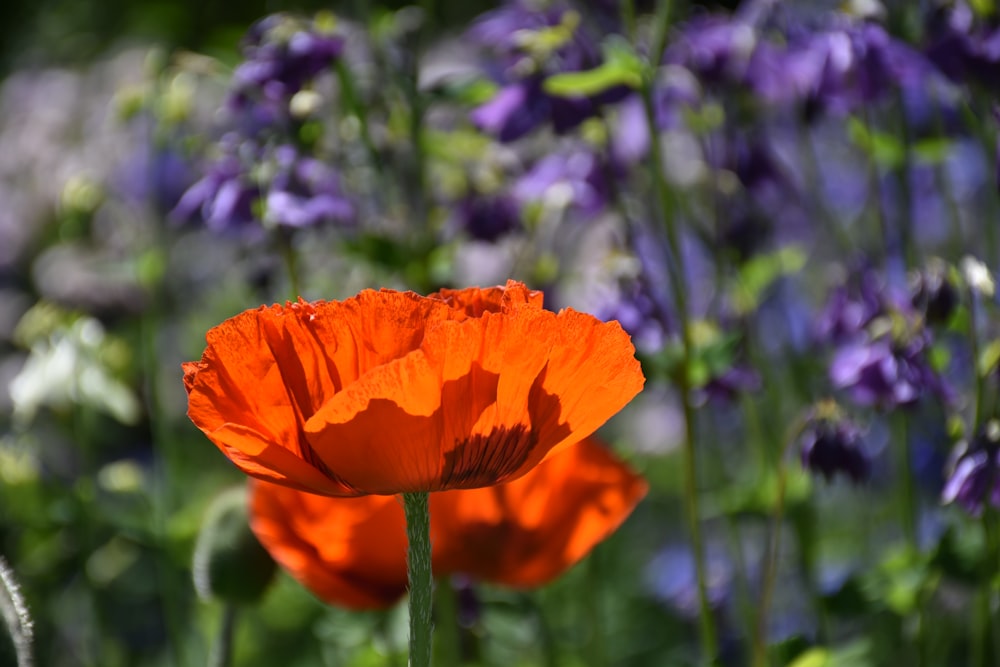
529	45
934	292
391	392
224	198
305	192
832	445
883	372
281	56
487	217
975	471
525	533
577	179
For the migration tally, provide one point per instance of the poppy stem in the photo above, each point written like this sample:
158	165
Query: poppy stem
418	566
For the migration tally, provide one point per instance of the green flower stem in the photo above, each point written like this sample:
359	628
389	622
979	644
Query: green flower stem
759	638
418	567
222	651
706	622
283	240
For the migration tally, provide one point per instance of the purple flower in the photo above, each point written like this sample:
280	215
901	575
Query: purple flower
883	372
576	179
305	192
282	55
640	315
962	48
489	217
223	200
716	48
522	62
975	471
934	292
832	445
851	308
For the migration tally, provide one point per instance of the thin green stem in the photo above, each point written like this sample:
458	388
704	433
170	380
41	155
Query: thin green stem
759	641
222	650
707	632
907	495
418	567
291	260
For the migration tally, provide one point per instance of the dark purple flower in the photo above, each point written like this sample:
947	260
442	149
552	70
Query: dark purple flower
851	308
305	192
832	445
975	471
673	92
729	384
576	179
489	217
282	55
640	315
837	69
523	59
962	47
883	372
934	292
223	200
716	48
514	111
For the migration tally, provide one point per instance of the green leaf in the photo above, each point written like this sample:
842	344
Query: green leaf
760	272
885	149
621	67
988	358
932	150
593	81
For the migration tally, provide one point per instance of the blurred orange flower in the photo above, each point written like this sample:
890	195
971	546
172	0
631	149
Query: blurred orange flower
525	533
391	392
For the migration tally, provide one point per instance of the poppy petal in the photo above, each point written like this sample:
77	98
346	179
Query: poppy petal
477	403
350	552
528	532
475	301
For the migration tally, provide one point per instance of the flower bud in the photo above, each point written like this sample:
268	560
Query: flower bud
229	563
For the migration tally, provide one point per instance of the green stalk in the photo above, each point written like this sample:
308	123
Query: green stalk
222	651
707	631
418	568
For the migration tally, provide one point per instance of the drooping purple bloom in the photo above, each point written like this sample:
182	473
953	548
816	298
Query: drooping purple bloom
883	372
934	293
851	308
305	192
831	446
223	199
488	217
975	471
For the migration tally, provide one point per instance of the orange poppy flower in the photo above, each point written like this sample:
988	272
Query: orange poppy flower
525	533
391	392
